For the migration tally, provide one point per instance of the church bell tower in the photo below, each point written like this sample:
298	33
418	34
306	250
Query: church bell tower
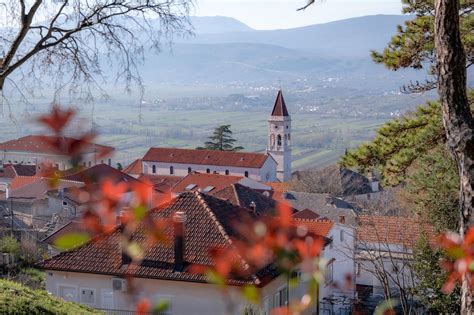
279	138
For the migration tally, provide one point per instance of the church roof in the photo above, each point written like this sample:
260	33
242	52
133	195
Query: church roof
279	109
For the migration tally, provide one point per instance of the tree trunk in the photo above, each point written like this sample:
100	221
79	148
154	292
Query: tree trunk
457	118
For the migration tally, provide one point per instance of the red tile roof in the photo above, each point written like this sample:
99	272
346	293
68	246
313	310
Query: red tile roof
19	181
200	181
12	170
306	214
41	144
135	168
277	186
319	227
279	109
392	230
71	227
37	188
206	157
208	225
99	172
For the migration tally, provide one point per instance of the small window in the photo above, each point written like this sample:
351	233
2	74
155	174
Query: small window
171	170
246	174
329	274
341	235
358	269
227	172
208	171
189	170
267	176
281	297
276	127
109	162
279	140
153	169
64	203
208	189
88	296
332	241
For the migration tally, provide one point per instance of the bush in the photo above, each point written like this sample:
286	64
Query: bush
9	244
18	299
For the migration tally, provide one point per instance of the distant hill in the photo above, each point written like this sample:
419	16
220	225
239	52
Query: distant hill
217	24
353	37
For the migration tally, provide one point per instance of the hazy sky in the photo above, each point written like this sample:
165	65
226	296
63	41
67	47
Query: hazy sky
273	14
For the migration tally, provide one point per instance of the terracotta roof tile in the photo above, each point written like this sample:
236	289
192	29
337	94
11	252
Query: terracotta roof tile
306	214
99	172
392	230
37	188
208	224
319	227
38	144
206	157
199	181
135	168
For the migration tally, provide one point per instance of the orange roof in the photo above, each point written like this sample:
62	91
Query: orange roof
319	226
42	144
20	181
392	230
206	157
135	168
198	181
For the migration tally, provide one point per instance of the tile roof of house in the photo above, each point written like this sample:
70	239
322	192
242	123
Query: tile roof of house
199	181
42	144
319	227
279	109
134	168
209	224
206	157
306	214
19	181
243	196
12	170
99	172
161	183
37	188
68	228
277	186
392	230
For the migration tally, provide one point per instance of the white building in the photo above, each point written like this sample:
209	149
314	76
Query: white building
279	138
37	150
181	162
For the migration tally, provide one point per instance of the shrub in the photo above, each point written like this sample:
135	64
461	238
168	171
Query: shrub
9	244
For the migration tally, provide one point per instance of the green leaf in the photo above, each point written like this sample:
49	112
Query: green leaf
161	307
215	278
139	212
251	294
385	306
71	240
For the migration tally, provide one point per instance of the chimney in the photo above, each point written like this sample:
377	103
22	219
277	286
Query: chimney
342	219
178	230
253	207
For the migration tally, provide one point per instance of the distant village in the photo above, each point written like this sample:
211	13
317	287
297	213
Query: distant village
208	189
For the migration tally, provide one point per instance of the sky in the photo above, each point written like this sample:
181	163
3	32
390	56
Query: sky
277	14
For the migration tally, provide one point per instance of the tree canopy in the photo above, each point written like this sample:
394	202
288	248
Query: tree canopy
413	44
221	140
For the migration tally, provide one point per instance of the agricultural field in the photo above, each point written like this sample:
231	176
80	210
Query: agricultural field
317	141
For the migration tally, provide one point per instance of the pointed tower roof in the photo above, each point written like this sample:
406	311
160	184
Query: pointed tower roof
279	109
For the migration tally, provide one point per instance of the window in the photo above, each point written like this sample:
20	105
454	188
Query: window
171	170
358	269
87	296
109	162
189	170
341	235
208	171
153	169
279	140
68	293
64	203
267	176
227	172
296	276
266	306
281	297
246	174
90	163
329	274
332	241
276	127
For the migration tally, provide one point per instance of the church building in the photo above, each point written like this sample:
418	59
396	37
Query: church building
271	166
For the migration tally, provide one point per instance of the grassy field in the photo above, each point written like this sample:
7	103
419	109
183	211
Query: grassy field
317	141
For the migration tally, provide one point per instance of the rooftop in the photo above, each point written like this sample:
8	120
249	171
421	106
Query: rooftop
279	109
43	144
206	157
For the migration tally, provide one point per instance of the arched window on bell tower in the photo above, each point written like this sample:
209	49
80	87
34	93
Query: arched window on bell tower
279	141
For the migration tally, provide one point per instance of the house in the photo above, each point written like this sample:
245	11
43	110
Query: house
180	162
335	295
28	199
37	150
94	274
384	256
324	205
